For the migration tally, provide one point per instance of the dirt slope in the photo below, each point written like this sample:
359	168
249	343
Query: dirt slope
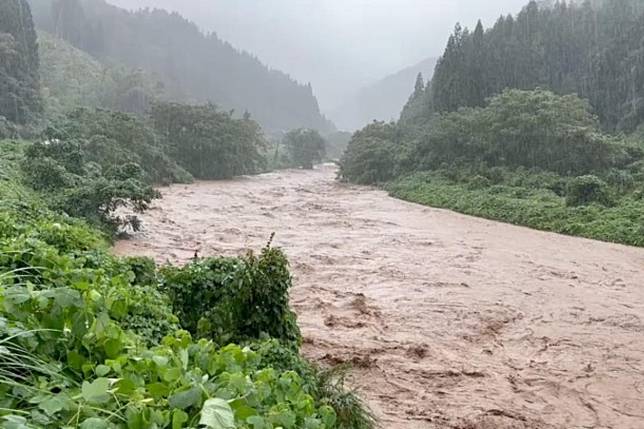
450	321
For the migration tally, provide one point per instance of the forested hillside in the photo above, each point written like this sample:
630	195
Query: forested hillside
593	51
72	78
381	100
522	123
19	79
194	67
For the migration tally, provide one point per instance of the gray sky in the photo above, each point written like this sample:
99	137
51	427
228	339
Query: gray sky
337	45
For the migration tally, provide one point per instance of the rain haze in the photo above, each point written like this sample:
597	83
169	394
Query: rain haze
321	214
337	45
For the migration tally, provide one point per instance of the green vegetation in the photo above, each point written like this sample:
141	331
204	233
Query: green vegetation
93	341
304	148
89	340
208	143
530	158
71	78
593	50
503	130
19	82
519	198
194	67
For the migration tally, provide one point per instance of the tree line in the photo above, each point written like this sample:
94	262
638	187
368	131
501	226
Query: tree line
194	67
592	50
535	121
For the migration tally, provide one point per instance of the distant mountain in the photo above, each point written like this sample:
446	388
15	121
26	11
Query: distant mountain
194	67
383	100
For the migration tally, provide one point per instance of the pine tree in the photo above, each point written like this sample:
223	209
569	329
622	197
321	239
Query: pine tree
19	63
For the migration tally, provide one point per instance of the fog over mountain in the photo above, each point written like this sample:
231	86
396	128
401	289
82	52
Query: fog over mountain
337	45
382	100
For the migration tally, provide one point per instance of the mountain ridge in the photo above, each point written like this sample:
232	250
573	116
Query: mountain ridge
381	100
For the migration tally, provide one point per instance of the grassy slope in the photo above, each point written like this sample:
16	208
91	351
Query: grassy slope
536	208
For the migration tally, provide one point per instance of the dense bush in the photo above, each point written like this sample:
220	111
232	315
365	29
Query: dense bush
210	144
234	299
587	189
522	159
523	202
111	139
371	156
304	147
88	340
61	172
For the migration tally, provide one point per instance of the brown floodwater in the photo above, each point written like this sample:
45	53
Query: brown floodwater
449	321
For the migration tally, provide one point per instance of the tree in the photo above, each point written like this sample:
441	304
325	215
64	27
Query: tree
593	50
19	65
305	147
210	144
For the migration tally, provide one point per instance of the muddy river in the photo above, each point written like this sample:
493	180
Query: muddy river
449	321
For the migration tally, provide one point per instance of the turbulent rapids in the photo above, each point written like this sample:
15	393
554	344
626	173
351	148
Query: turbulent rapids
447	320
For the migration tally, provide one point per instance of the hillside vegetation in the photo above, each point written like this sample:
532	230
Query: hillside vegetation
89	340
519	124
93	341
71	78
194	67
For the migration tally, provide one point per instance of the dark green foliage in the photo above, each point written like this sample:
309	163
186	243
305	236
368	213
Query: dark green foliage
210	144
372	154
19	79
71	78
194	67
533	129
112	139
490	142
88	340
304	147
524	198
71	184
231	299
584	190
326	386
570	47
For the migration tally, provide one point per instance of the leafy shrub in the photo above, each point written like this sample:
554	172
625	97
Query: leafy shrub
71	184
208	143
111	139
584	190
231	299
542	208
304	147
371	155
81	343
478	182
326	386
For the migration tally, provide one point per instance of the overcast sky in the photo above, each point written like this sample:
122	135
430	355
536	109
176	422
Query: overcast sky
337	45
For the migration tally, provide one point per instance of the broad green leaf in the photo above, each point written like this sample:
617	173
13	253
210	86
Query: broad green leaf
14	422
158	390
113	347
171	374
179	418
52	405
94	423
102	370
257	422
97	391
185	399
217	414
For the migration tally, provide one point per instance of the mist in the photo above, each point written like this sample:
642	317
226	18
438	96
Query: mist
338	46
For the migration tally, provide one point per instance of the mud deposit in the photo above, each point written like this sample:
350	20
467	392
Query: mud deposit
450	321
